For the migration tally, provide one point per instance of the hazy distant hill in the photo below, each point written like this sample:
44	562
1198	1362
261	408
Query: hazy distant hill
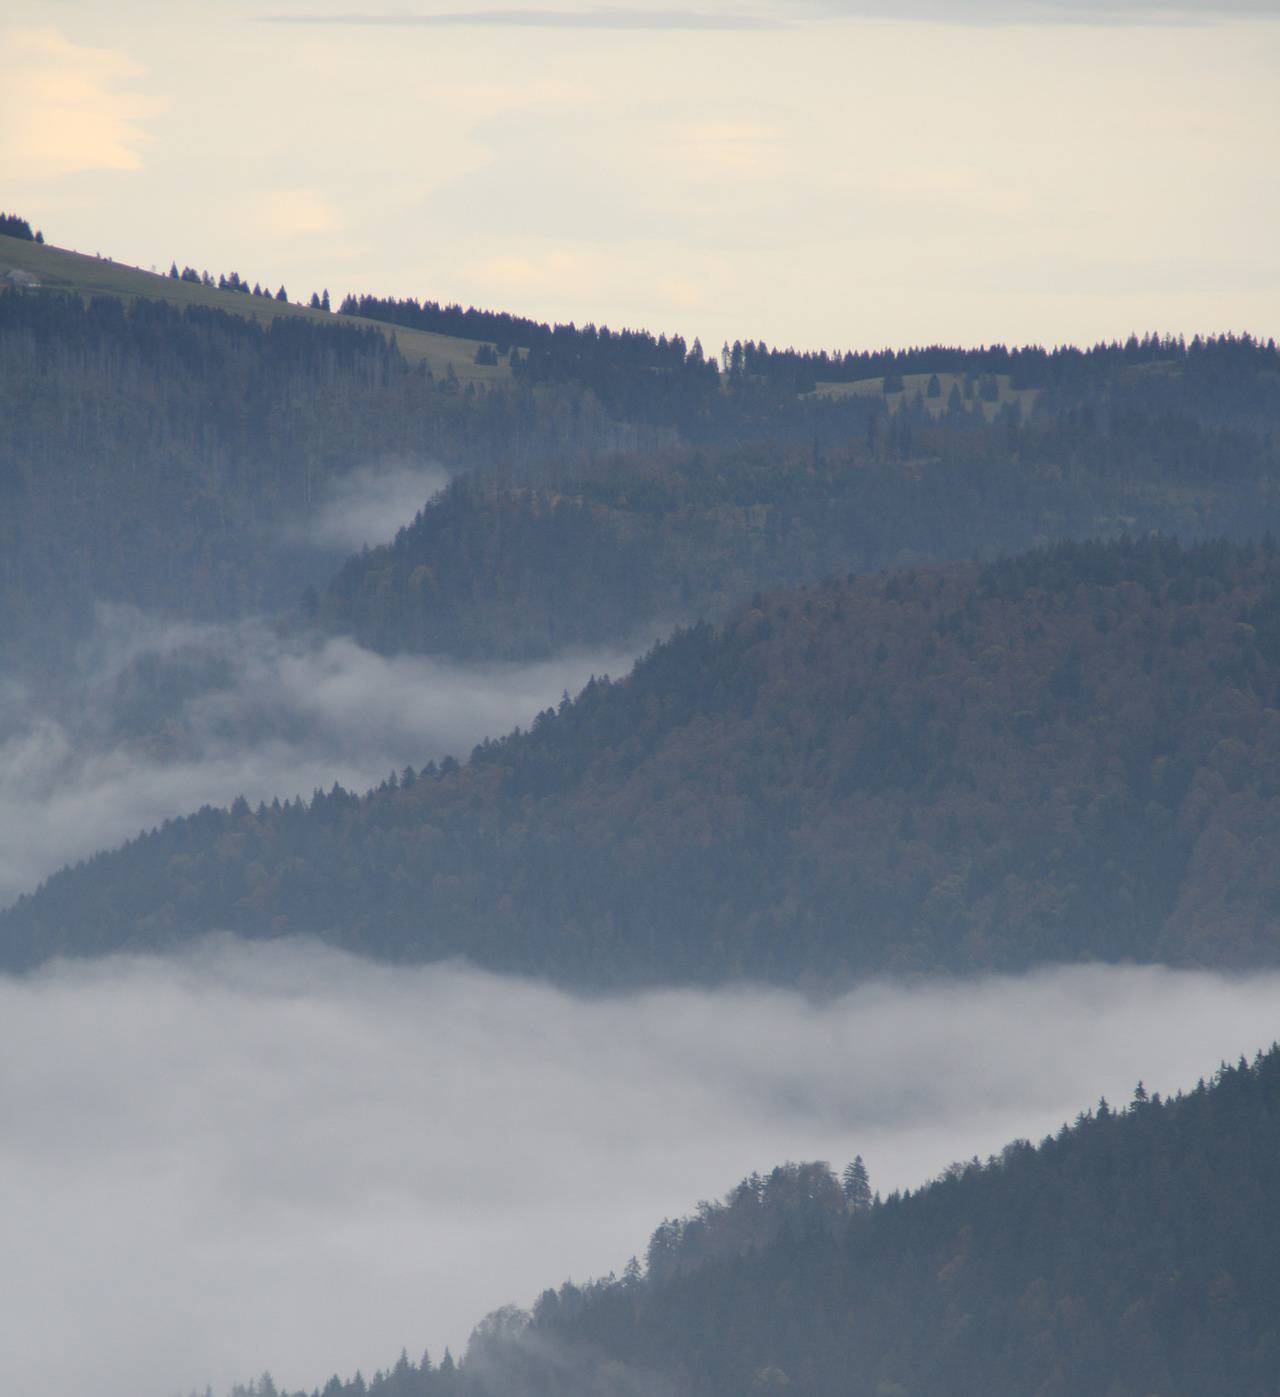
494	569
160	436
161	444
1073	754
154	455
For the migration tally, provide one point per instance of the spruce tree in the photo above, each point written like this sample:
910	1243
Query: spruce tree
857	1186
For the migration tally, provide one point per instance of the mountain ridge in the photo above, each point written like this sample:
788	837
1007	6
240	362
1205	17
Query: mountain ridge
63	269
1071	755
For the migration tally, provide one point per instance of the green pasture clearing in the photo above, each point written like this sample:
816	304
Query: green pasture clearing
61	270
919	383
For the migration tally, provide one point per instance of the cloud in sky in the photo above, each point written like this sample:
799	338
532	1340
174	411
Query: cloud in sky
297	213
67	109
608	18
727	15
1159	12
279	1156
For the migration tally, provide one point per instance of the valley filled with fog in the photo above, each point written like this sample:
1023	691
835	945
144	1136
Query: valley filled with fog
162	717
277	1156
640	740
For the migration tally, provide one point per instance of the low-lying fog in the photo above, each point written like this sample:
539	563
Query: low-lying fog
281	1157
162	718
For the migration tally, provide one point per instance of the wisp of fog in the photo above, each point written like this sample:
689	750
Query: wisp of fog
278	1156
368	505
164	717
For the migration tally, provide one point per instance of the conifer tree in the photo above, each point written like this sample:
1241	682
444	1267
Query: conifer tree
857	1186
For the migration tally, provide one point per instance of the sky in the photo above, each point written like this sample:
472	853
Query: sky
822	173
280	1157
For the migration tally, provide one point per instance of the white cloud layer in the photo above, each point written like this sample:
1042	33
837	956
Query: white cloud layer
279	1156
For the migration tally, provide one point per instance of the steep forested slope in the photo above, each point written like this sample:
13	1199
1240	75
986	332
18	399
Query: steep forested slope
1134	1254
1072	754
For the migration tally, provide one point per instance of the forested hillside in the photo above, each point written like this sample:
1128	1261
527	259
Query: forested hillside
159	456
1073	754
160	436
26	260
634	373
1136	1252
1187	444
146	453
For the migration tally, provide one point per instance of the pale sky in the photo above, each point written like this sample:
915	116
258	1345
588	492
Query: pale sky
841	173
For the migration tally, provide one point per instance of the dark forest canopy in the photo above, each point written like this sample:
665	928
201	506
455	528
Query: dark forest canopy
521	570
631	371
157	455
1135	1252
12	225
588	353
1028	366
146	453
769	490
1070	755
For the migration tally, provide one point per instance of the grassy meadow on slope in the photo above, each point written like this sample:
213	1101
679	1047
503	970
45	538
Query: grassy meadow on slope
934	390
59	269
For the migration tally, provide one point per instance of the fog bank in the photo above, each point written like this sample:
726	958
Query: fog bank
162	718
278	1156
